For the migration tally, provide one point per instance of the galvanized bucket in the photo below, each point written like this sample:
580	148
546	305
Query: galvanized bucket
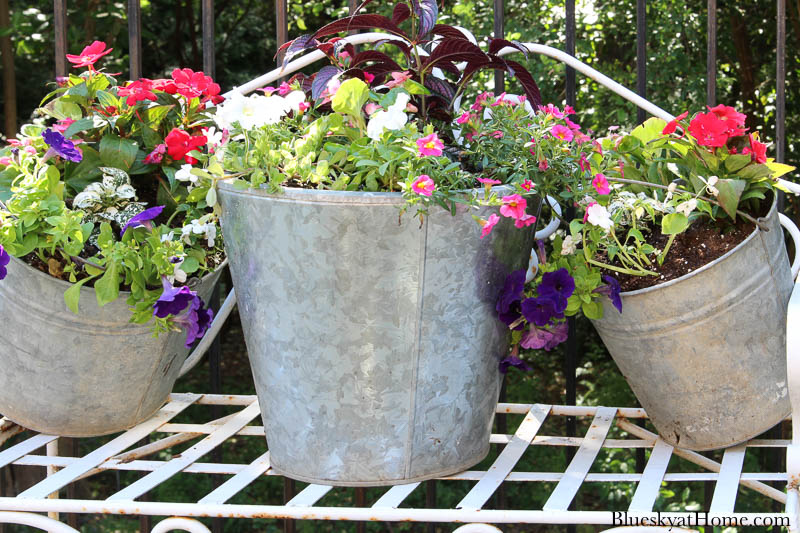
372	339
80	375
705	354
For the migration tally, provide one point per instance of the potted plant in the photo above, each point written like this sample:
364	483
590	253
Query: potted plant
677	256
365	285
107	250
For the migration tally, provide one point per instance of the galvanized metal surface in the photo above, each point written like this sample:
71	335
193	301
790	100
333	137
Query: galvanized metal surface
705	353
373	340
80	375
188	446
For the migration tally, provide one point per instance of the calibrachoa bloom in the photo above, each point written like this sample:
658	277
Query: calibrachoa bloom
552	110
60	146
89	56
488	225
562	132
600	184
513	206
489	181
143	218
527	185
430	145
423	185
557	286
179	144
4	260
524	221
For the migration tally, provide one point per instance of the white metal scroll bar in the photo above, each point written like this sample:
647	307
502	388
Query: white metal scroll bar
505	462
395	496
727	485
23	448
238	482
309	496
576	472
237	422
178	403
647	490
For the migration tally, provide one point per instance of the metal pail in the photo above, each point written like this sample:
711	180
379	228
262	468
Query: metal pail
373	340
705	354
80	375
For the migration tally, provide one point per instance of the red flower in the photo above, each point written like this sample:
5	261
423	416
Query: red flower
89	56
733	119
168	86
673	124
757	150
179	143
138	91
195	84
709	130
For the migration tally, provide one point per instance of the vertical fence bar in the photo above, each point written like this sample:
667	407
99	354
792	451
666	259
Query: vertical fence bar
641	61
571	356
135	38
361	497
711	55
281	24
499	33
9	75
60	27
289	525
430	502
570	84
209	59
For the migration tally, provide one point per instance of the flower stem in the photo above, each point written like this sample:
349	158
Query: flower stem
663	254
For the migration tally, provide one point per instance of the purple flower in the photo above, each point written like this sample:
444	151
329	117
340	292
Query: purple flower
143	218
512	315
540	310
4	260
541	252
61	146
537	339
558	286
513	361
612	290
173	300
196	320
512	290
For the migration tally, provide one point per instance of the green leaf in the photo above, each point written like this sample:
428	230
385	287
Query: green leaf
674	223
729	193
107	99
350	97
86	171
778	169
73	294
152	116
414	87
190	265
629	144
197	194
62	110
592	310
649	130
118	152
107	287
211	197
737	162
79	126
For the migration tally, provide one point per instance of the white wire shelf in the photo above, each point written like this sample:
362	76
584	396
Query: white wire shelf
125	453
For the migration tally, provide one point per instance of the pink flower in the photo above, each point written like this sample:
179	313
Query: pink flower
89	56
524	221
155	157
303	106
344	55
597	147
513	206
30	149
398	79
5	161
480	99
487	225
423	185
527	185
552	110
561	132
583	163
464	118
62	125
371	108
568	110
571	125
430	145
489	181
284	89
500	100
138	91
543	165
267	90
369	78
600	184
580	138
497	134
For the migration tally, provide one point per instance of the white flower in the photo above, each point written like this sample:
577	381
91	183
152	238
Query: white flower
569	246
208	230
710	186
250	112
599	216
687	207
293	100
393	118
185	174
673	186
514	99
213	136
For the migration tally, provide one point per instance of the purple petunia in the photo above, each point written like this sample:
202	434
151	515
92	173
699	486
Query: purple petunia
514	361
196	320
540	310
557	286
61	146
512	315
143	218
547	339
173	300
612	290
4	260
512	290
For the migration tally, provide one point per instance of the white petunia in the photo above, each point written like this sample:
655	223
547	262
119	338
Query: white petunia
393	118
687	207
185	174
599	216
293	100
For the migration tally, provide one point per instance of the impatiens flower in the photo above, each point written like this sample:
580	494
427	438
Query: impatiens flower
562	132
557	286
180	143
673	124
138	91
597	215
143	218
732	118
191	84
156	156
430	145
63	125
540	310
89	56
527	185
487	225
513	206
185	174
524	221
173	300
612	290
4	260
569	110
512	291
60	146
423	185
514	361
545	339
393	118
757	150
489	181
600	184
398	79
709	130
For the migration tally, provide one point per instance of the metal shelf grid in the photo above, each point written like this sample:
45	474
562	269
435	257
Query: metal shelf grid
124	452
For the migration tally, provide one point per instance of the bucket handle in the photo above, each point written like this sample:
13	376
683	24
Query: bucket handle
789	226
549	229
210	334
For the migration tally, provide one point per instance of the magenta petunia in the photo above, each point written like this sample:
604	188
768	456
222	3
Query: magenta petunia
430	145
488	225
562	132
600	184
423	185
513	206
